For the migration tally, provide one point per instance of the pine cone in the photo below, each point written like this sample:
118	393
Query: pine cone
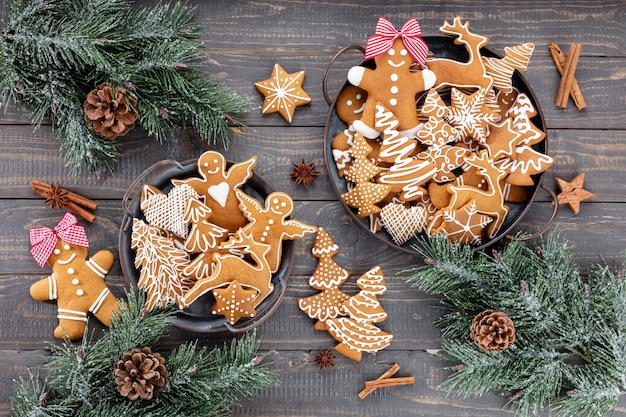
492	330
140	373
110	113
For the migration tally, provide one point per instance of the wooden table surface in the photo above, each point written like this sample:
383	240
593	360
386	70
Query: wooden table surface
243	40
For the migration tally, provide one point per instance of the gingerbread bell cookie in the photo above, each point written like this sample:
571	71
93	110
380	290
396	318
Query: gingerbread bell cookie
77	282
441	145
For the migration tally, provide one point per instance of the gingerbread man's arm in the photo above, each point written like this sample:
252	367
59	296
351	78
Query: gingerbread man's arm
101	262
295	229
45	289
361	77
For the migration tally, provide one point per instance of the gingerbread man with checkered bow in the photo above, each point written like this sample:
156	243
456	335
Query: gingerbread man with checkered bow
77	283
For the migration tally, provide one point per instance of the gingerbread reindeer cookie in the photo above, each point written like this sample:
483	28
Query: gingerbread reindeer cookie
77	283
394	82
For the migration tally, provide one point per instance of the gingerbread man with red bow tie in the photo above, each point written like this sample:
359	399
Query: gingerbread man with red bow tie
77	283
394	82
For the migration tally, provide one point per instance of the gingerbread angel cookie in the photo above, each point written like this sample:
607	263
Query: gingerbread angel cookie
218	185
394	82
77	283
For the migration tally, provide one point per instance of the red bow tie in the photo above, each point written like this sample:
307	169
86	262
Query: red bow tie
386	34
44	239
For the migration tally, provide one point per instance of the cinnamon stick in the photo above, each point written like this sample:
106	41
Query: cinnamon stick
389	373
72	201
567	79
559	60
390	382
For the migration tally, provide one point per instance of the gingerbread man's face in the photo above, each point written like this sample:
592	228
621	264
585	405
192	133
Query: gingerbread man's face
280	204
350	103
212	163
65	254
397	57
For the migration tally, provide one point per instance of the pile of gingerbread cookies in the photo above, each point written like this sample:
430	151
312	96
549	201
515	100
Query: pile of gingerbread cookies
206	235
436	145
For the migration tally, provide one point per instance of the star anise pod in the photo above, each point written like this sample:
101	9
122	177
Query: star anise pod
325	358
56	197
304	173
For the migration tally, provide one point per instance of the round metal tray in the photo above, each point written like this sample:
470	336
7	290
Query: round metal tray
198	317
442	47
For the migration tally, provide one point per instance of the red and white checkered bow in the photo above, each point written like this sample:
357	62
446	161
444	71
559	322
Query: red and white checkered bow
386	34
44	239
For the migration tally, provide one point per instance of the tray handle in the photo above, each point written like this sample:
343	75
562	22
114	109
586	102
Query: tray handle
545	227
330	65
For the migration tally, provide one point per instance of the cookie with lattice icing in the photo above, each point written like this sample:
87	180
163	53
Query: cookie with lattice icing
401	222
165	211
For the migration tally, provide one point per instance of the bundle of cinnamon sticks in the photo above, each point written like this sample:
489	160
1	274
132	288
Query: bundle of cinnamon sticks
57	197
567	67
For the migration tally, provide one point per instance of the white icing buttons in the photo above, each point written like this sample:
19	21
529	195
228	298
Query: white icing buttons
75	281
70	271
80	292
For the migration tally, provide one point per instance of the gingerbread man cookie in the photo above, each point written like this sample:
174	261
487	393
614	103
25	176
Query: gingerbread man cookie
77	283
218	186
350	104
270	224
394	82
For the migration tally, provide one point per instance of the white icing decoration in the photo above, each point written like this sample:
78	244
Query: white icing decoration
219	193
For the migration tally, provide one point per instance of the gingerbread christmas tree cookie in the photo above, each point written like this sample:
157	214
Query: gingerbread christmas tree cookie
283	92
357	333
327	278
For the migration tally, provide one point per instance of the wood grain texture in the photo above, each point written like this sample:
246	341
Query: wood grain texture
242	40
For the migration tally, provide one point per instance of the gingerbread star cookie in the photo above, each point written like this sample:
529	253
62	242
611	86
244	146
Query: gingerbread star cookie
572	192
283	92
234	302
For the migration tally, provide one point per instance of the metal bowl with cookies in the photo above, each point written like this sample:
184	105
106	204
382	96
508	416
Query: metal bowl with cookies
436	135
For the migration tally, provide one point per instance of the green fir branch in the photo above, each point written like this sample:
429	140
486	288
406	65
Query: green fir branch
570	342
53	53
200	382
